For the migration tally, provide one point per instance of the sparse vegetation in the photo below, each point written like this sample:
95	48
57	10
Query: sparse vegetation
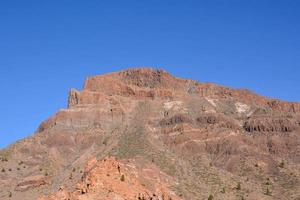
2	170
9	194
46	173
210	197
268	182
105	141
268	192
223	190
10	169
21	162
281	164
238	187
18	168
122	178
4	159
73	170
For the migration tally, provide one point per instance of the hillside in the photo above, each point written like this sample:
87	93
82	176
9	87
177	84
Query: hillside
145	134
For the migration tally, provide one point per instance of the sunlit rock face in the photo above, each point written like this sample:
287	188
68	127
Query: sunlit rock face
171	138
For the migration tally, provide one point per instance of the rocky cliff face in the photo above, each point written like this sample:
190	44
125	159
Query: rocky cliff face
171	138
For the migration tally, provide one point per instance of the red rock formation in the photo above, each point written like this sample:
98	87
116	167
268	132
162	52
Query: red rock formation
174	137
110	179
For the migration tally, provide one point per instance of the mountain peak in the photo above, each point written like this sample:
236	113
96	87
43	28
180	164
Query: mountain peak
172	137
145	83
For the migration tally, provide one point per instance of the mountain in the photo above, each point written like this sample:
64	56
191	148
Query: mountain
145	134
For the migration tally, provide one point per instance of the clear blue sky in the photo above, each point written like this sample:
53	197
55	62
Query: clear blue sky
48	47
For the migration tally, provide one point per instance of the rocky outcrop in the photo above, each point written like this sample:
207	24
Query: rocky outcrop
150	83
284	106
215	119
176	119
144	77
271	124
31	182
110	179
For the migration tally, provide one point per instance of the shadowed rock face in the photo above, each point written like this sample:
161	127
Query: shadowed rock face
267	124
171	138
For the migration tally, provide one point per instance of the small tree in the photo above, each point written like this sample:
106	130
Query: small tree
281	164
268	192
2	170
122	178
223	190
3	159
210	197
238	187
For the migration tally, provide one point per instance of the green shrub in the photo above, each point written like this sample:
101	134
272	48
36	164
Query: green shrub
210	197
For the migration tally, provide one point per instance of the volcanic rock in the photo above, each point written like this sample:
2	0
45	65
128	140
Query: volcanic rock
170	138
